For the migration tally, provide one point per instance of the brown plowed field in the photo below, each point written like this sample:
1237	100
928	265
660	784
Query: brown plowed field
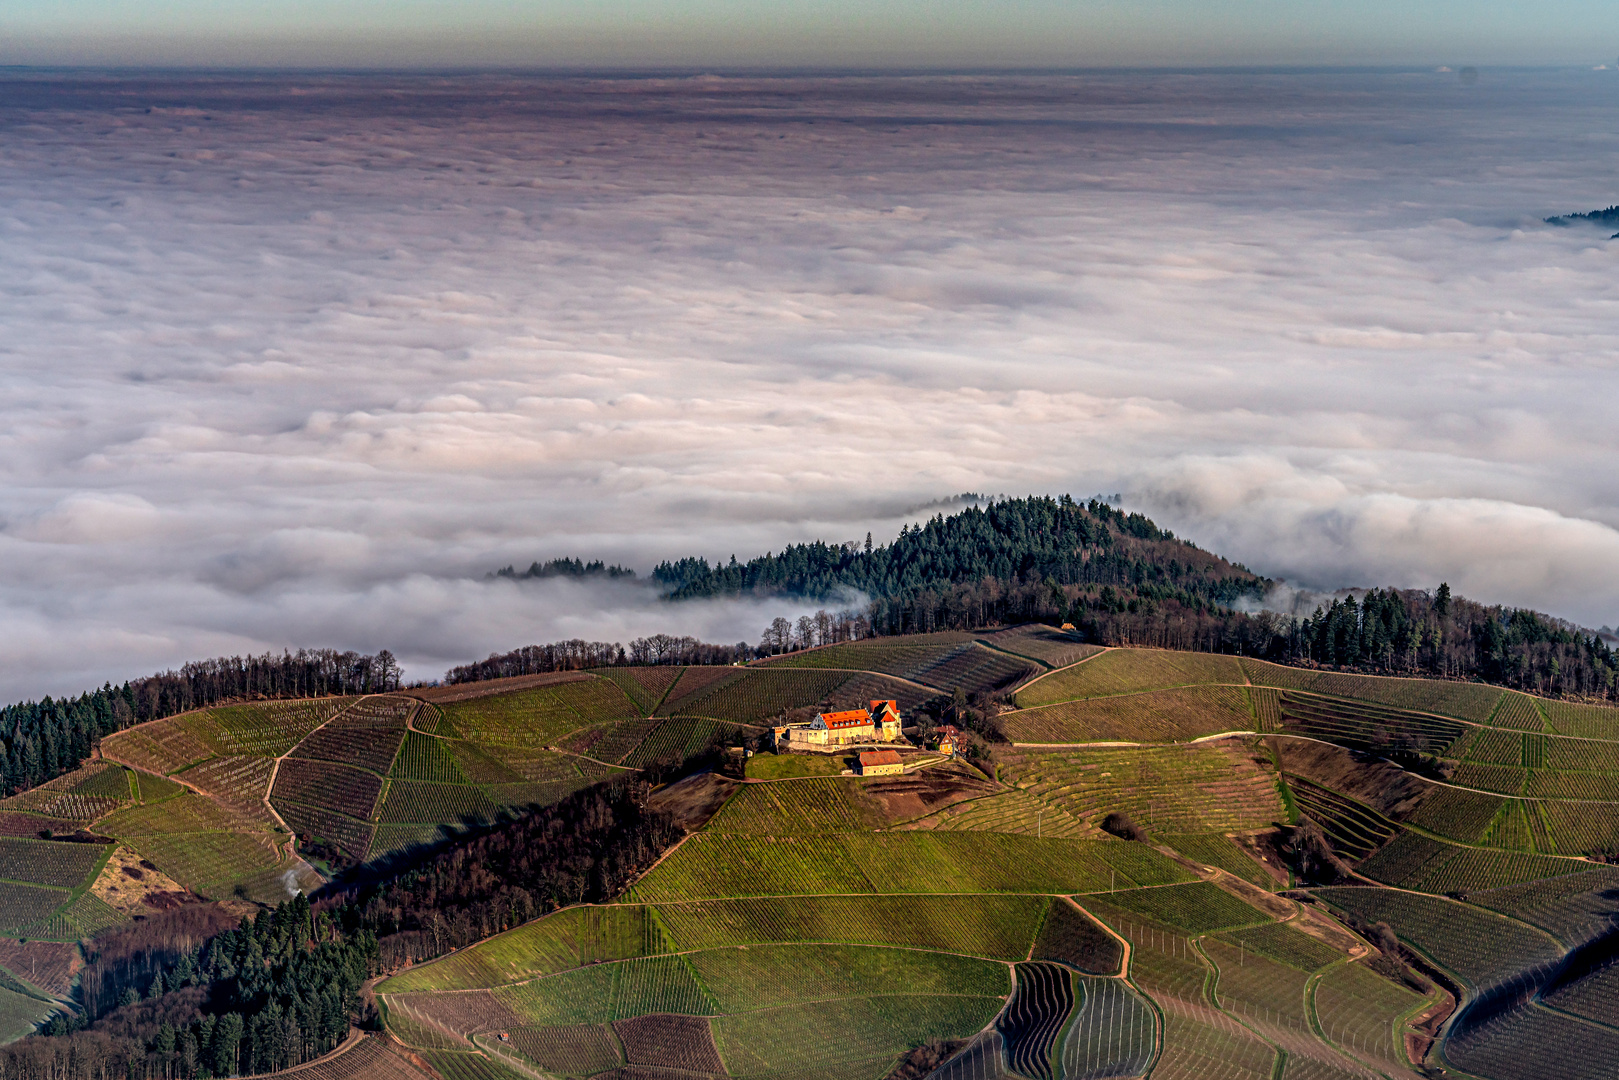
48	965
467	1013
674	1042
917	794
328	786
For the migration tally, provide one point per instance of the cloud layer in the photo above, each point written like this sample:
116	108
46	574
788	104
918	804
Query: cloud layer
294	360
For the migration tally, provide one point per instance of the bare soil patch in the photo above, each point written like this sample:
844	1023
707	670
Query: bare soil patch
464	1013
1379	784
917	794
693	800
134	886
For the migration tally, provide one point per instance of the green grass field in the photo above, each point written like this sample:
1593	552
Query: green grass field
786	766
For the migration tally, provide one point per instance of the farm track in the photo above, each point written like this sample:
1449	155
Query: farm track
354	1038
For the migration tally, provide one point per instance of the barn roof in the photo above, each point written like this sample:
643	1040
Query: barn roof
879	757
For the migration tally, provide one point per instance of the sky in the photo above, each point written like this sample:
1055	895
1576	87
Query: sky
818	33
296	359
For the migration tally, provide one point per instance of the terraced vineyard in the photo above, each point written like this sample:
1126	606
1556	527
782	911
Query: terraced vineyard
1478	946
1178	788
759	694
1155	716
1364	726
355	778
797	895
1131	671
1051	647
999	913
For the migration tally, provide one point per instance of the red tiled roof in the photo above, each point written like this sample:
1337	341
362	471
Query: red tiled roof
882	706
847	719
879	757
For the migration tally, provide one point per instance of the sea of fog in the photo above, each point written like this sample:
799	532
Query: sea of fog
296	359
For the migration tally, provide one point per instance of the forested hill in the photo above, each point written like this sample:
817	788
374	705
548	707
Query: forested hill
1016	541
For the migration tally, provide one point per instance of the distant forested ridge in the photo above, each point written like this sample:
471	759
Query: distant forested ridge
1015	541
566	568
1119	580
1608	218
577	654
41	740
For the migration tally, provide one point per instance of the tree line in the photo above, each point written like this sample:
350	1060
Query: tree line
585	849
276	991
186	994
41	740
578	655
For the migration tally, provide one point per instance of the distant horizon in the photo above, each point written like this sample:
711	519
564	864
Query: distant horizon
296	357
821	34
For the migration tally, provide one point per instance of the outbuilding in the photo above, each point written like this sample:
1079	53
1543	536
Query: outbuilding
880	763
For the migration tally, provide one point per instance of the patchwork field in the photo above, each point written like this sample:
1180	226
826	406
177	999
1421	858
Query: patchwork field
1002	919
978	903
216	798
1156	716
